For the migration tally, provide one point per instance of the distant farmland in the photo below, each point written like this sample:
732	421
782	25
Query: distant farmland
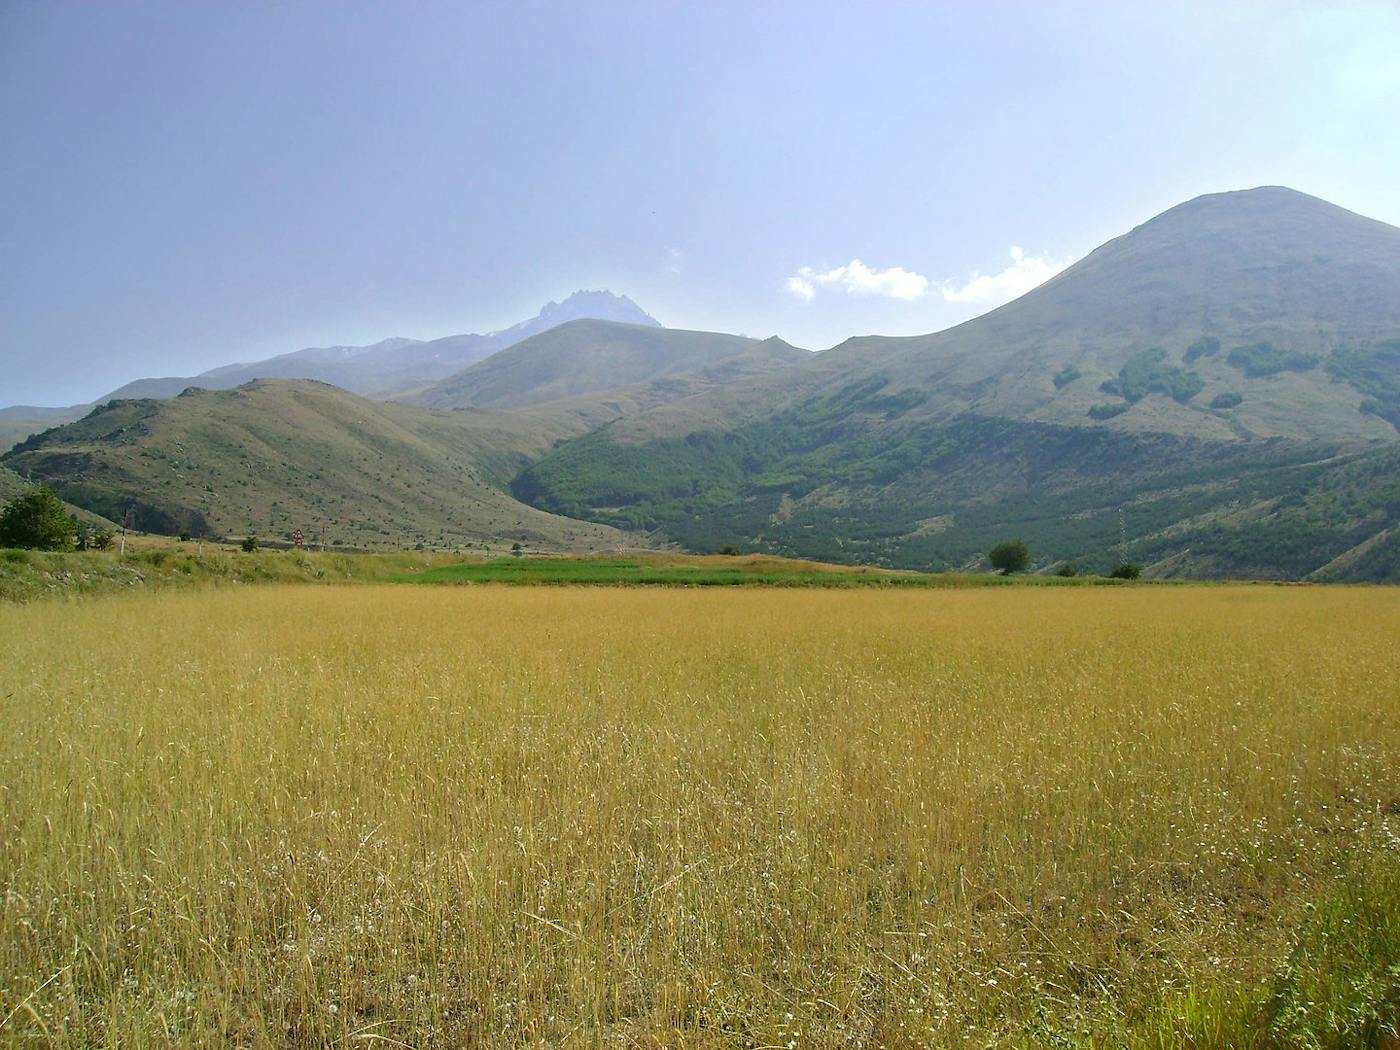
455	816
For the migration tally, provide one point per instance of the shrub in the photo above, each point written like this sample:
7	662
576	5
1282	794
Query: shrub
249	544
729	550
1065	376
1226	400
1147	372
1107	411
1264	359
1125	571
38	520
1066	570
1011	556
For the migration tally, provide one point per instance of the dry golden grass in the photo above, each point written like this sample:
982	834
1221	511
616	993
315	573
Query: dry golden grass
487	816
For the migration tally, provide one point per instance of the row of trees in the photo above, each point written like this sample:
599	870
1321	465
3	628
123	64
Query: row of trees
1014	556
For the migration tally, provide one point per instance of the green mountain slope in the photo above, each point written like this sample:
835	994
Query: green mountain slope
11	484
274	456
1215	392
583	358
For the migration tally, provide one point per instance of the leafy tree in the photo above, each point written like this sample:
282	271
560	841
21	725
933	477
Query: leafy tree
1126	571
1011	556
516	550
1066	570
37	520
249	544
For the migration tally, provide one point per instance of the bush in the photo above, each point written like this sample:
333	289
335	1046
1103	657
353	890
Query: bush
1222	401
1065	376
1107	411
1011	556
729	550
1264	359
249	544
1066	570
94	538
38	520
1125	571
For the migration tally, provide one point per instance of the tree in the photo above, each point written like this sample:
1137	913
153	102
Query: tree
249	544
1126	571
92	537
1011	556
38	520
516	550
1066	570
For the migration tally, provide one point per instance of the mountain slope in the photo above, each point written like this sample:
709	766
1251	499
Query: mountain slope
590	357
274	456
19	421
1193	369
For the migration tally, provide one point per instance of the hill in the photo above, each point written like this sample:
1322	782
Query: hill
583	358
1215	392
274	456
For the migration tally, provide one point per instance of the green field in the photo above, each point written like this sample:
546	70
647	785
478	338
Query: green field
696	571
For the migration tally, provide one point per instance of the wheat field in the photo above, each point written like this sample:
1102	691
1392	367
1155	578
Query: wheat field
480	816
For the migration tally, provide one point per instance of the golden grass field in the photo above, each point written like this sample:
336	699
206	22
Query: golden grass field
479	816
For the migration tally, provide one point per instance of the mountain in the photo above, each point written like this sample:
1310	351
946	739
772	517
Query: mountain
393	365
581	358
1215	392
277	455
382	369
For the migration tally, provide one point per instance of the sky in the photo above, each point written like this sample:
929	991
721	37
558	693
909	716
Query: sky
187	185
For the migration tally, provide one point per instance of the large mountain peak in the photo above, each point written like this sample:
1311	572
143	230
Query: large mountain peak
597	306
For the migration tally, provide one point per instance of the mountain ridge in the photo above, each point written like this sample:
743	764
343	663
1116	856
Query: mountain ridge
383	368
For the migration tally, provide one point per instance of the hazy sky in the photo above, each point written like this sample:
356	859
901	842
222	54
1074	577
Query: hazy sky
187	184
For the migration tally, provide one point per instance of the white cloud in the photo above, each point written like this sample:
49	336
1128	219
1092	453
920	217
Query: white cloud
674	260
856	278
1024	273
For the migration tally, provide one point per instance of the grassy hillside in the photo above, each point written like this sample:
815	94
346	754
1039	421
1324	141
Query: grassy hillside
938	496
11	484
591	357
20	421
1141	818
272	457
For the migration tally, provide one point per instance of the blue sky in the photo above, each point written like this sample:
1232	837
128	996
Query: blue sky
191	184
